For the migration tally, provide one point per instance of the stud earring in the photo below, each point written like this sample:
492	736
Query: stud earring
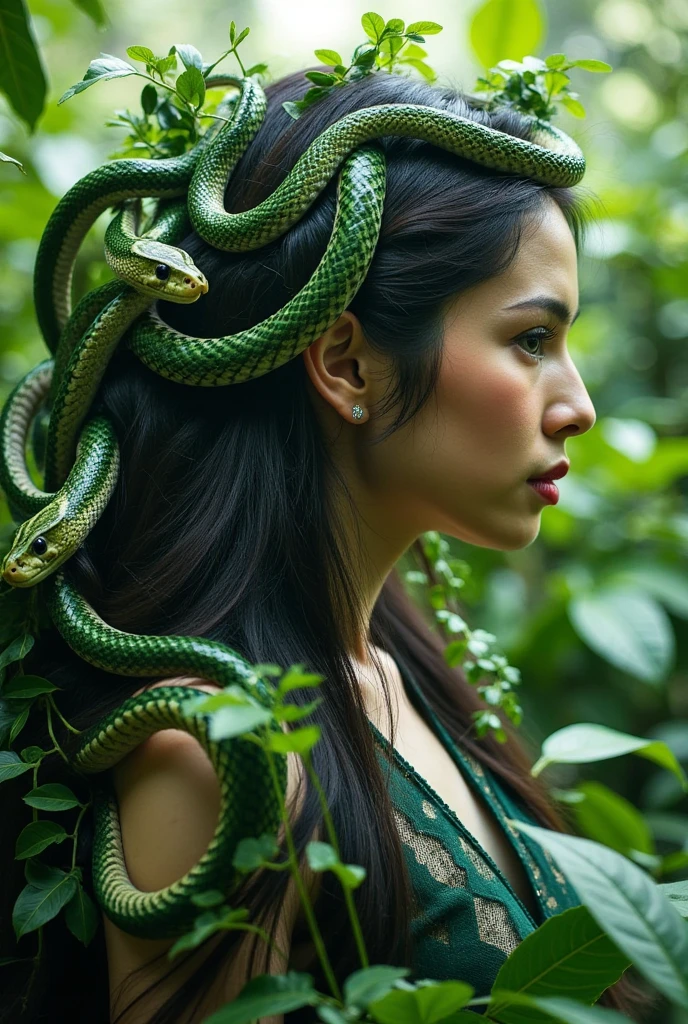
357	412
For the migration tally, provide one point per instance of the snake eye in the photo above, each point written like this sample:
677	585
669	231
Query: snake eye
39	546
162	271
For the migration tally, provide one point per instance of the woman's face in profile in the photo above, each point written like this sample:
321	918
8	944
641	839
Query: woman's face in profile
498	416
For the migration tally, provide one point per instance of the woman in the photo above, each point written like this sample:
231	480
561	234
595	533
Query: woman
270	515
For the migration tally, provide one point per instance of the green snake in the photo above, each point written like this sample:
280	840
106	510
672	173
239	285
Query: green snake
61	519
82	342
247	794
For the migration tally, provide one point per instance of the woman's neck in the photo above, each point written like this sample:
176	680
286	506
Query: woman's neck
371	685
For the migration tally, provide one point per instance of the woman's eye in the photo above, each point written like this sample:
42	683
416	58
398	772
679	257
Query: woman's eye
537	338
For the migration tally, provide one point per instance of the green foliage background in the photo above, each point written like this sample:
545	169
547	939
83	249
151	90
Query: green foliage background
595	612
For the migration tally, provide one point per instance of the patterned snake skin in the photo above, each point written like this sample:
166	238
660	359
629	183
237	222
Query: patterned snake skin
81	455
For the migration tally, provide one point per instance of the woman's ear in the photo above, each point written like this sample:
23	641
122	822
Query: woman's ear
339	364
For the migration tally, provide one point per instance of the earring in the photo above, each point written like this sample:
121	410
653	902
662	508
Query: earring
357	412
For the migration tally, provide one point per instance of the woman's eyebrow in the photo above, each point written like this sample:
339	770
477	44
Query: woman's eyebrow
556	306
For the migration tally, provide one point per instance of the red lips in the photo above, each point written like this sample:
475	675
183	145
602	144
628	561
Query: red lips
555	473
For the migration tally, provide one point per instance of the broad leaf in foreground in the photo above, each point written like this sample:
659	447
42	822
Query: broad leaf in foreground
628	905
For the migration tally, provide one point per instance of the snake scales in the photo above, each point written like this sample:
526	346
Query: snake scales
81	454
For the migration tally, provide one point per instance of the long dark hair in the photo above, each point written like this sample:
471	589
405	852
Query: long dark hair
223	523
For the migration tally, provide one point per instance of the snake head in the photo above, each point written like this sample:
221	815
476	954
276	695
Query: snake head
167	272
37	549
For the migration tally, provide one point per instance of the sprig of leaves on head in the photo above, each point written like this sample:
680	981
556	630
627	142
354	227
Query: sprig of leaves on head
534	85
390	46
172	104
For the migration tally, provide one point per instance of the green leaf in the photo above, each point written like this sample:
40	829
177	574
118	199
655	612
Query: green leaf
628	628
167	115
190	56
230	697
242	35
506	29
373	26
141	53
434	1002
330	57
293	108
295	712
81	916
208	924
35	836
321	856
204	926
267	668
256	69
315	93
17	650
591	65
411	50
5	159
608	818
235	721
561	1011
11	765
677	894
426	71
350	875
297	741
209	898
665	582
42	876
34	906
191	86
106	66
149	99
19	723
265	995
556	84
572	105
586	741
675	861
319	78
569	954
295	678
250	853
371	983
165	64
24	687
424	28
395	26
331	1015
94	10
53	796
628	905
22	79
556	60
32	754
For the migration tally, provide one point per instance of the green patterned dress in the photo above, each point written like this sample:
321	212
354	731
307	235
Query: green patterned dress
466	917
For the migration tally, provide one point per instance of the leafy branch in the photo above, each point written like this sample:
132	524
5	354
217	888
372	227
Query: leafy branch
491	674
172	107
534	86
389	47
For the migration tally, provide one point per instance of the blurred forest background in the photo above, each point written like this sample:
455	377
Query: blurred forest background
595	612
